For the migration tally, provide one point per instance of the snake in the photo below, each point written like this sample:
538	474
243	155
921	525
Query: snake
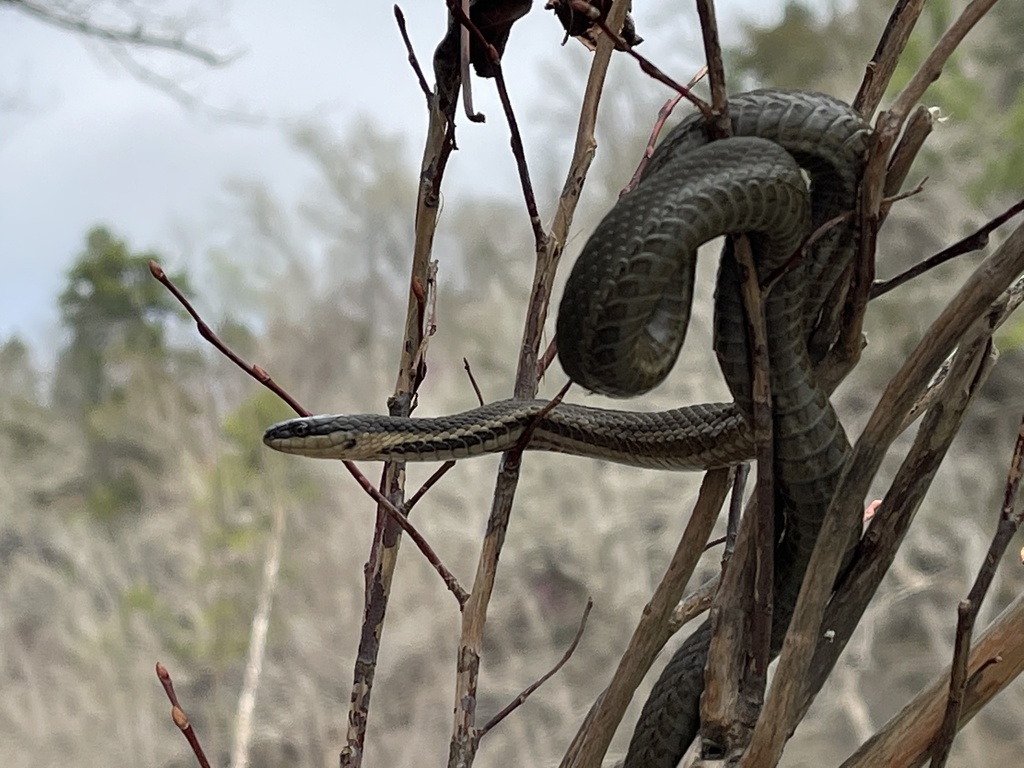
792	164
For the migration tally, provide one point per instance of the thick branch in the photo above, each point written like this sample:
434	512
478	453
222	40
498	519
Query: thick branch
997	658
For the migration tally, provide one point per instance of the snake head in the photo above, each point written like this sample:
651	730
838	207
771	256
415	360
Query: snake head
316	436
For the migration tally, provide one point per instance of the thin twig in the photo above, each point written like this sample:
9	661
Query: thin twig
522	697
712	543
207	333
472	381
919	128
663	115
735	510
427	485
427	299
515	455
973	242
824	228
179	717
265	379
413	61
646	66
545	361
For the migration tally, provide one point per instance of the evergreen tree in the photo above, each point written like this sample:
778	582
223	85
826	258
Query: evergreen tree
116	317
111	303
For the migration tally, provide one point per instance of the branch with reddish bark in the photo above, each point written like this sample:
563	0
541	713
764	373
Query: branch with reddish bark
179	717
258	373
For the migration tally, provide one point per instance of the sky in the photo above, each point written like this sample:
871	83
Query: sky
82	142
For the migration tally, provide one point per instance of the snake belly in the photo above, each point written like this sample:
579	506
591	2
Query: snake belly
621	324
626	305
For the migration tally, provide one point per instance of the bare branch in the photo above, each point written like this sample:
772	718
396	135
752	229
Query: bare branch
741	615
652	630
427	485
383	556
973	242
645	64
659	124
931	67
887	53
264	378
179	717
718	120
967	611
137	36
735	510
472	381
919	128
996	660
413	61
522	697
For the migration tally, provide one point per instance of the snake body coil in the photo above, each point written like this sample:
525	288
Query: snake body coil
621	324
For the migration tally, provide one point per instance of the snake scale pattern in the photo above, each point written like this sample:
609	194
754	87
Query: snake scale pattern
621	324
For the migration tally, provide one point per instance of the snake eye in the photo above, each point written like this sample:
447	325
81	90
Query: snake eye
300	429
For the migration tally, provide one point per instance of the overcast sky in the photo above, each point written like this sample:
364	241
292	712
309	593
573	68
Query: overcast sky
86	143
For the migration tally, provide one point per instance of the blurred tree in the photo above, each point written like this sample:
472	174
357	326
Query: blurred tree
980	90
365	216
111	302
802	49
130	31
114	366
19	380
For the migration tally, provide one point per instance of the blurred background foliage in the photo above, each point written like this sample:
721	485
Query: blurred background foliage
137	503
